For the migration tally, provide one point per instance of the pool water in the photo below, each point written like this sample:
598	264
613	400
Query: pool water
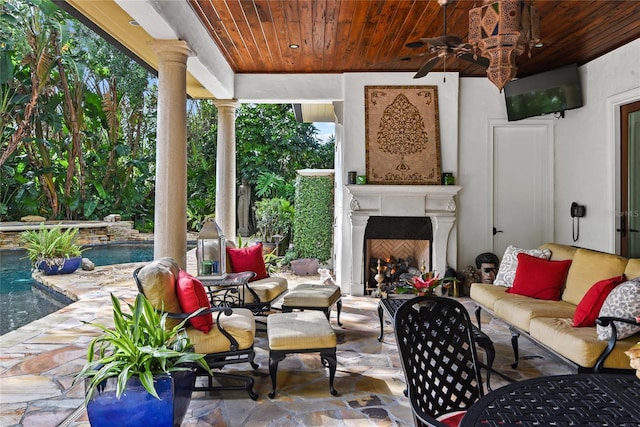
22	300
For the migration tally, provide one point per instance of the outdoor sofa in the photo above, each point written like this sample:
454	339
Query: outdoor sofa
550	323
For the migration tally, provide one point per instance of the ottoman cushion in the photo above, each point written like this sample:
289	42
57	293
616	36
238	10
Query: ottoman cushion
312	295
300	331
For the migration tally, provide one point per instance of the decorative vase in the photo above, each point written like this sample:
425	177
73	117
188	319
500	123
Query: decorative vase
59	265
137	407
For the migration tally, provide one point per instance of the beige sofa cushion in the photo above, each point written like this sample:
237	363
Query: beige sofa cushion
519	310
487	294
158	280
587	268
580	345
241	325
559	252
633	268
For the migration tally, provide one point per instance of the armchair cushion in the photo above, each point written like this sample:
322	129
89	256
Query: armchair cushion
267	289
240	325
158	279
248	259
192	296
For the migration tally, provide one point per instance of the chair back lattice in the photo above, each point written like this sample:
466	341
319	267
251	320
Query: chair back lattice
438	356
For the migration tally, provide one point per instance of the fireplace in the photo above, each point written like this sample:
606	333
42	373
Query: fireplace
401	244
435	202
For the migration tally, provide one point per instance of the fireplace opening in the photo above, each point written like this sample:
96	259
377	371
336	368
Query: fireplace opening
401	244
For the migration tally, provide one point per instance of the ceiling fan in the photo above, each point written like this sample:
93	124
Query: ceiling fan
444	47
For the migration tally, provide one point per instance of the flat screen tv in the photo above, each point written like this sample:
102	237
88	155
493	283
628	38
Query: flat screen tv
544	93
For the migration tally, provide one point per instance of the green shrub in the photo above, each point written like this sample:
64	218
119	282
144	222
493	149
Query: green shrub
313	221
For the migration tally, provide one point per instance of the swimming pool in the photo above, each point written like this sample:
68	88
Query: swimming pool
22	300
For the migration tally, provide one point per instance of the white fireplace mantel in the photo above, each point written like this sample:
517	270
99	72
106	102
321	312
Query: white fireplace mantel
438	202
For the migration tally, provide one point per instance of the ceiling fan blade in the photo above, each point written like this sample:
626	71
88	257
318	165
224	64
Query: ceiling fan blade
448	40
434	41
415	44
481	60
428	66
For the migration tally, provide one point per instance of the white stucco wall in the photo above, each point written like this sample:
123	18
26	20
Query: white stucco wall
584	159
353	143
480	101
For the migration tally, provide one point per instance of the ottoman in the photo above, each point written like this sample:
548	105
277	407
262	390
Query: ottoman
309	296
300	332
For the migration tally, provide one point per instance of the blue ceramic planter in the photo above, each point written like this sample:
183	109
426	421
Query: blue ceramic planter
69	266
136	407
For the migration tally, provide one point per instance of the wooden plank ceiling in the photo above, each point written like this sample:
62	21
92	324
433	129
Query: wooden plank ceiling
370	35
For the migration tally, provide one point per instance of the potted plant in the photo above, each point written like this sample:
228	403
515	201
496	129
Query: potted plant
53	250
139	372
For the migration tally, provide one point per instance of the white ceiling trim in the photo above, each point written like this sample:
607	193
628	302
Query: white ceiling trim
174	19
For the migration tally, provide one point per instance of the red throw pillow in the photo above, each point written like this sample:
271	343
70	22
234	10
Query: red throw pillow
539	278
588	308
248	259
192	296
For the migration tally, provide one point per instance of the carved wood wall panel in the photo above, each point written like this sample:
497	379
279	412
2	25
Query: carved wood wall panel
402	133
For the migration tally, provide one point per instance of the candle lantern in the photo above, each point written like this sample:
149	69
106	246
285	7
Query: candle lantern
211	253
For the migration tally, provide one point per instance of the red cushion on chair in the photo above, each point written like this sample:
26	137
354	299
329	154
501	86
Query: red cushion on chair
453	419
588	308
248	259
539	278
192	296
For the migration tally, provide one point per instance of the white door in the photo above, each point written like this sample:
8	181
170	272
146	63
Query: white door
522	156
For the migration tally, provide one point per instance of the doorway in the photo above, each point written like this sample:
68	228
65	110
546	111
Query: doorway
629	227
522	184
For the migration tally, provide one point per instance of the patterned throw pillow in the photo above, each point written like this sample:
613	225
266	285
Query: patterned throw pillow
624	302
509	263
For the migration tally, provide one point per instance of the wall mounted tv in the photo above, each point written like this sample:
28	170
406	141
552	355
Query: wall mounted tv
544	93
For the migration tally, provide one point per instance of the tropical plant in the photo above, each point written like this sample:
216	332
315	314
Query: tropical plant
78	124
139	345
274	217
271	185
424	284
50	245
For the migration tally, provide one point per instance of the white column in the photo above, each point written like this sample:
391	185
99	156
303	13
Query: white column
170	228
358	224
441	226
226	167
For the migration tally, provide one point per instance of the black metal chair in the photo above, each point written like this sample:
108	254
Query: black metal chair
439	359
229	341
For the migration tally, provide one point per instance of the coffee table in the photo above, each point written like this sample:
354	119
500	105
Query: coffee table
389	306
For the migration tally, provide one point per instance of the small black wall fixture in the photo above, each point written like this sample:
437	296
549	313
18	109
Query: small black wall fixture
577	212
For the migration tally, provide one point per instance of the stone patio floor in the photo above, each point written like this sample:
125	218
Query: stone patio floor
39	361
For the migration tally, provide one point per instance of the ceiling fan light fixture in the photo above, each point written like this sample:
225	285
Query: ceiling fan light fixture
501	30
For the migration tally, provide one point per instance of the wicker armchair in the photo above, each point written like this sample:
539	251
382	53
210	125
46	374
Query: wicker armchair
439	359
